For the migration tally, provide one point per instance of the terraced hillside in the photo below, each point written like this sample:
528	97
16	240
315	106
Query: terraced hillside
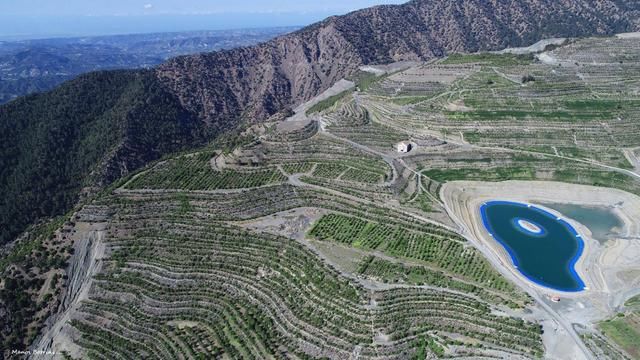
577	103
315	238
179	285
188	271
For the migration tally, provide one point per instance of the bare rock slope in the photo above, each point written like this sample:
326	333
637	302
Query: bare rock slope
258	81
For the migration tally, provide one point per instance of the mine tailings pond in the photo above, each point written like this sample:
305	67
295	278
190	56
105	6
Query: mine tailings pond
543	247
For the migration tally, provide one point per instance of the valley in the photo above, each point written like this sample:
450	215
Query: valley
39	65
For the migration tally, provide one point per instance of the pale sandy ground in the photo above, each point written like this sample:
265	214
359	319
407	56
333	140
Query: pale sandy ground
445	74
634	159
537	47
547	59
633	35
337	88
83	265
611	270
291	223
389	68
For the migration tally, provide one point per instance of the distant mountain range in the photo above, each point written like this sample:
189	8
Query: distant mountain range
102	126
39	65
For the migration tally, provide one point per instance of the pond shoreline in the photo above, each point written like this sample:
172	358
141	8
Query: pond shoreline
537	232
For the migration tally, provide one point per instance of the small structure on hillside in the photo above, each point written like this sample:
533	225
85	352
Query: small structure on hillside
404	147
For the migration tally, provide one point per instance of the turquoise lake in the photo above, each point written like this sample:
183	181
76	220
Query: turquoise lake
602	222
541	246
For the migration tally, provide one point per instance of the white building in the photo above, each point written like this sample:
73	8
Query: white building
404	147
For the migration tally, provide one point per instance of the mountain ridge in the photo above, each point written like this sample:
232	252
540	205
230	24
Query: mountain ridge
31	66
308	61
247	85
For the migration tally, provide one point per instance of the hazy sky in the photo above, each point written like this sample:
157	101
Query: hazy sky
173	7
24	19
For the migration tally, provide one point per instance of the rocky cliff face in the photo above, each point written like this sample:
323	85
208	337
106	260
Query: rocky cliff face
258	81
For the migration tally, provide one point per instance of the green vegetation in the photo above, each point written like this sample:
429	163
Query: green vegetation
366	177
509	102
492	174
329	170
203	256
426	342
489	59
362	172
365	80
50	143
441	249
633	302
606	350
194	172
624	331
409	100
521	115
624	328
190	284
328	102
610	156
425	203
23	272
353	122
601	105
185	204
396	272
298	168
527	167
595	177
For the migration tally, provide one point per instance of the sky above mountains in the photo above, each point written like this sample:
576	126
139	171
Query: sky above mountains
25	19
173	7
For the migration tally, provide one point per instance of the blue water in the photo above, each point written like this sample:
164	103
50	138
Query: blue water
544	251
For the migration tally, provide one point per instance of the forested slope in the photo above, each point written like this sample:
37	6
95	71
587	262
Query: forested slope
88	131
